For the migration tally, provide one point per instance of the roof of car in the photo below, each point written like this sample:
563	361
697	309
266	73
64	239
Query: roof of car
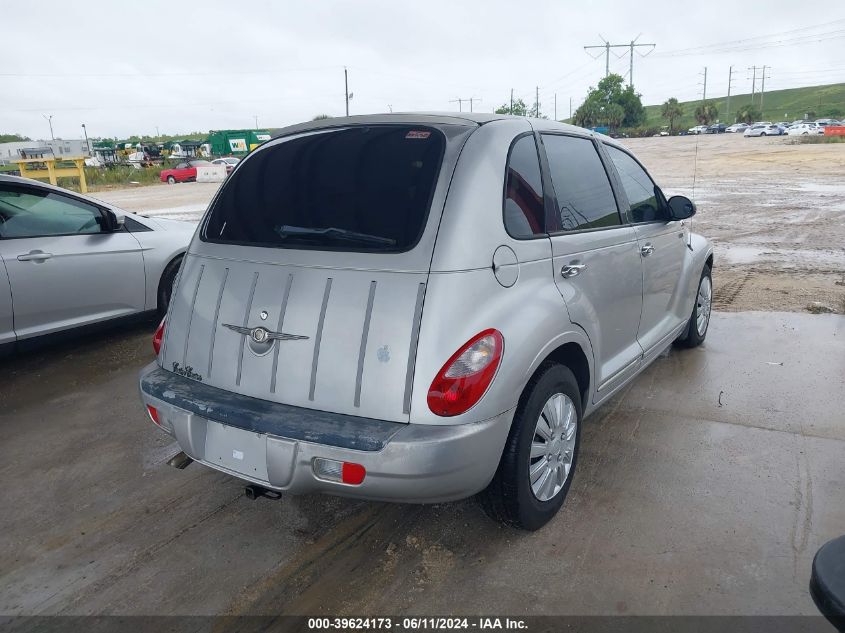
430	118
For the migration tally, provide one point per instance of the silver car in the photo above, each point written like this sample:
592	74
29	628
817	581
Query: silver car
418	308
68	261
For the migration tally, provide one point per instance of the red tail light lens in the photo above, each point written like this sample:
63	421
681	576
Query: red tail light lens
353	473
465	377
158	337
153	413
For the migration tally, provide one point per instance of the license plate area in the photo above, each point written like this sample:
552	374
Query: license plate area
234	449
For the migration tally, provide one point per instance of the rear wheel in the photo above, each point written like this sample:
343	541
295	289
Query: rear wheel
171	180
538	462
166	285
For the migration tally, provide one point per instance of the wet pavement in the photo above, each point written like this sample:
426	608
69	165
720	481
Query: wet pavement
704	487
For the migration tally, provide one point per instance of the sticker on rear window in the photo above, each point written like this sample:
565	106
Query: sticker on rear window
418	134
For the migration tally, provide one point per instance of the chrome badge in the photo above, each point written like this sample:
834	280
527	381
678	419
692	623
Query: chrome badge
260	339
263	335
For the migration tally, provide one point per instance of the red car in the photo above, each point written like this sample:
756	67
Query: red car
183	172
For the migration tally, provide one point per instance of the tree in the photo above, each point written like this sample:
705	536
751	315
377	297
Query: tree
320	117
519	108
633	105
610	91
706	112
671	110
748	113
11	138
614	114
587	114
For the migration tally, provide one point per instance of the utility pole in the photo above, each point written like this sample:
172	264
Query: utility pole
49	119
704	92
537	103
471	99
753	70
631	46
256	120
346	88
511	110
157	134
763	89
460	103
730	83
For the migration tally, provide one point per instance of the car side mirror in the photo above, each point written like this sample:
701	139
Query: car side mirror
114	220
681	207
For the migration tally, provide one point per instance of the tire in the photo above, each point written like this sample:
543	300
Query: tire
762	134
510	498
171	180
165	285
695	335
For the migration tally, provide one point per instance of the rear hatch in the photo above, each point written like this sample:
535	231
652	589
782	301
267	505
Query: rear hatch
305	284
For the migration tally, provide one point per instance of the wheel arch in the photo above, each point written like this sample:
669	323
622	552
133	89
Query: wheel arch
178	257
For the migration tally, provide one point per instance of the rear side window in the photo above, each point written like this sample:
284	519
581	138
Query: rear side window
584	196
524	215
642	193
354	189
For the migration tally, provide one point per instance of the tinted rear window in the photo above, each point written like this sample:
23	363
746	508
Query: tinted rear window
355	189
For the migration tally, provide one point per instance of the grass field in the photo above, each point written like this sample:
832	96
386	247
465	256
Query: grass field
778	105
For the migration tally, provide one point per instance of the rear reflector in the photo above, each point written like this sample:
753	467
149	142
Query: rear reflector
158	337
343	472
153	414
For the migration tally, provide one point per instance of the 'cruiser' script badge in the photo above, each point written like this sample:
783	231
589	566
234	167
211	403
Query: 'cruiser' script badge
187	372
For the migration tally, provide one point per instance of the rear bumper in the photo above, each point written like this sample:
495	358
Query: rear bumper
275	445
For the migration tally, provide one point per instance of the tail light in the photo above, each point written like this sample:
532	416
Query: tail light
465	377
153	413
158	337
344	472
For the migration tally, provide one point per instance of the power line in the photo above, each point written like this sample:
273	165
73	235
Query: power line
749	41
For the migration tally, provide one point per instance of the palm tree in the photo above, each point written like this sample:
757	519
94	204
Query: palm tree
672	110
614	114
706	113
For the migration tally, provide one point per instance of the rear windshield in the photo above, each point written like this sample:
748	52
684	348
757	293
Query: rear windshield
353	189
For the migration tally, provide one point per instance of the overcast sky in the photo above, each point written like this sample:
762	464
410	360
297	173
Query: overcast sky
134	67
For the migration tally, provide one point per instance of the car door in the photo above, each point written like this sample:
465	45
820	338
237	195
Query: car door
7	330
663	245
597	264
64	269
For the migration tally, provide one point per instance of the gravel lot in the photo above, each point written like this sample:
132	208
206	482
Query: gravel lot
774	208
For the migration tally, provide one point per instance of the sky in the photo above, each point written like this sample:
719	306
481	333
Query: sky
168	67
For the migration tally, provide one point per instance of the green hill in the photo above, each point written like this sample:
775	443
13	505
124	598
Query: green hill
778	105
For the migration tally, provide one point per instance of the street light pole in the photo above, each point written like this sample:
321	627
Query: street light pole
87	144
49	119
346	89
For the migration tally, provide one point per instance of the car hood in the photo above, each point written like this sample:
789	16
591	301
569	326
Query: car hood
165	224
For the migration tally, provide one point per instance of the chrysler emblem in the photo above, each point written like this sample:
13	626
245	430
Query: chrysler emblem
263	335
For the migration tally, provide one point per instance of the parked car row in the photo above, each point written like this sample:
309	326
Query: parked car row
187	171
767	128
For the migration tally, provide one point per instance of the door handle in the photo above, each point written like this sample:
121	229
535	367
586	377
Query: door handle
647	250
34	256
572	270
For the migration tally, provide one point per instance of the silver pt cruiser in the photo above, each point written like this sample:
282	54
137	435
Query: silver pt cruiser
419	308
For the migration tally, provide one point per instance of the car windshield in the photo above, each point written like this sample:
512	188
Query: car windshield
362	188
